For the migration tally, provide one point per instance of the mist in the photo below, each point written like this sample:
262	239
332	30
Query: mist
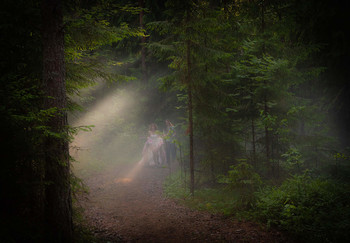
116	136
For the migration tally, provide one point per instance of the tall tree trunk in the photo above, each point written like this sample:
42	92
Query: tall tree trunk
143	42
253	141
190	119
267	135
190	105
277	157
58	206
263	18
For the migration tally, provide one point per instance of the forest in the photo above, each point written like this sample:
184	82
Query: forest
256	93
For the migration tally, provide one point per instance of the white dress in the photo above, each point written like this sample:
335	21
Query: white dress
152	151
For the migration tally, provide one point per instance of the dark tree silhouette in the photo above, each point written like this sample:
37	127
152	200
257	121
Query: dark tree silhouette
58	209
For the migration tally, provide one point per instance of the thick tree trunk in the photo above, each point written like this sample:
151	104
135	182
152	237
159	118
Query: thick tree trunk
58	206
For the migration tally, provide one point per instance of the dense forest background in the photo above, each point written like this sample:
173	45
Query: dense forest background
258	91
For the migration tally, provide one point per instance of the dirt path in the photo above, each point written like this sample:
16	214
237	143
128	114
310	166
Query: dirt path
120	209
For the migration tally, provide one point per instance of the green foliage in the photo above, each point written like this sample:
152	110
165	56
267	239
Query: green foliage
215	200
90	57
89	28
340	168
316	210
266	76
174	187
293	160
242	179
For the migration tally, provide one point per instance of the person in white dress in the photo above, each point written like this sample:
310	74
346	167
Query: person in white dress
153	153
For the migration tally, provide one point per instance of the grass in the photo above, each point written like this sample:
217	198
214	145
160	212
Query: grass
218	200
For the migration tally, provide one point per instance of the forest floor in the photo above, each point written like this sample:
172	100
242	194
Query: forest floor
124	206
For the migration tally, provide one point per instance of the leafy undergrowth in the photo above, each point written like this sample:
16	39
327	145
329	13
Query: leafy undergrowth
232	196
218	200
316	210
309	209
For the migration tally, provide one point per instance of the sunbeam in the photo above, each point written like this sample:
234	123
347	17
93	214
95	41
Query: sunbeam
100	116
130	176
114	138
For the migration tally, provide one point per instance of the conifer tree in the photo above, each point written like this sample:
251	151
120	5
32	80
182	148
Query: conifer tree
58	207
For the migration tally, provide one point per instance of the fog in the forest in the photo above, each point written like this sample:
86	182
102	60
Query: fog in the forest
114	137
119	117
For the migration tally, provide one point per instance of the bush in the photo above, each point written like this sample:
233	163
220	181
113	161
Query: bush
219	200
311	209
242	179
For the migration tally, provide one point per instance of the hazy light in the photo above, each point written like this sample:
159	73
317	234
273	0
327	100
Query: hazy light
101	116
131	175
106	145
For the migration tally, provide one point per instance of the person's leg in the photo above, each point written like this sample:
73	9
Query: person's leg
167	152
173	151
163	154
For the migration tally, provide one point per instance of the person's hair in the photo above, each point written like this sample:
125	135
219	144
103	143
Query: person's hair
153	126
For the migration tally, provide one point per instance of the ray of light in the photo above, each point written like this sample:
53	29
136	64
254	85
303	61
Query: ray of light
101	116
133	173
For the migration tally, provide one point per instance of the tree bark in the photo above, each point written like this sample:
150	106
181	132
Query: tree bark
253	141
190	105
143	42
190	119
267	135
58	205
